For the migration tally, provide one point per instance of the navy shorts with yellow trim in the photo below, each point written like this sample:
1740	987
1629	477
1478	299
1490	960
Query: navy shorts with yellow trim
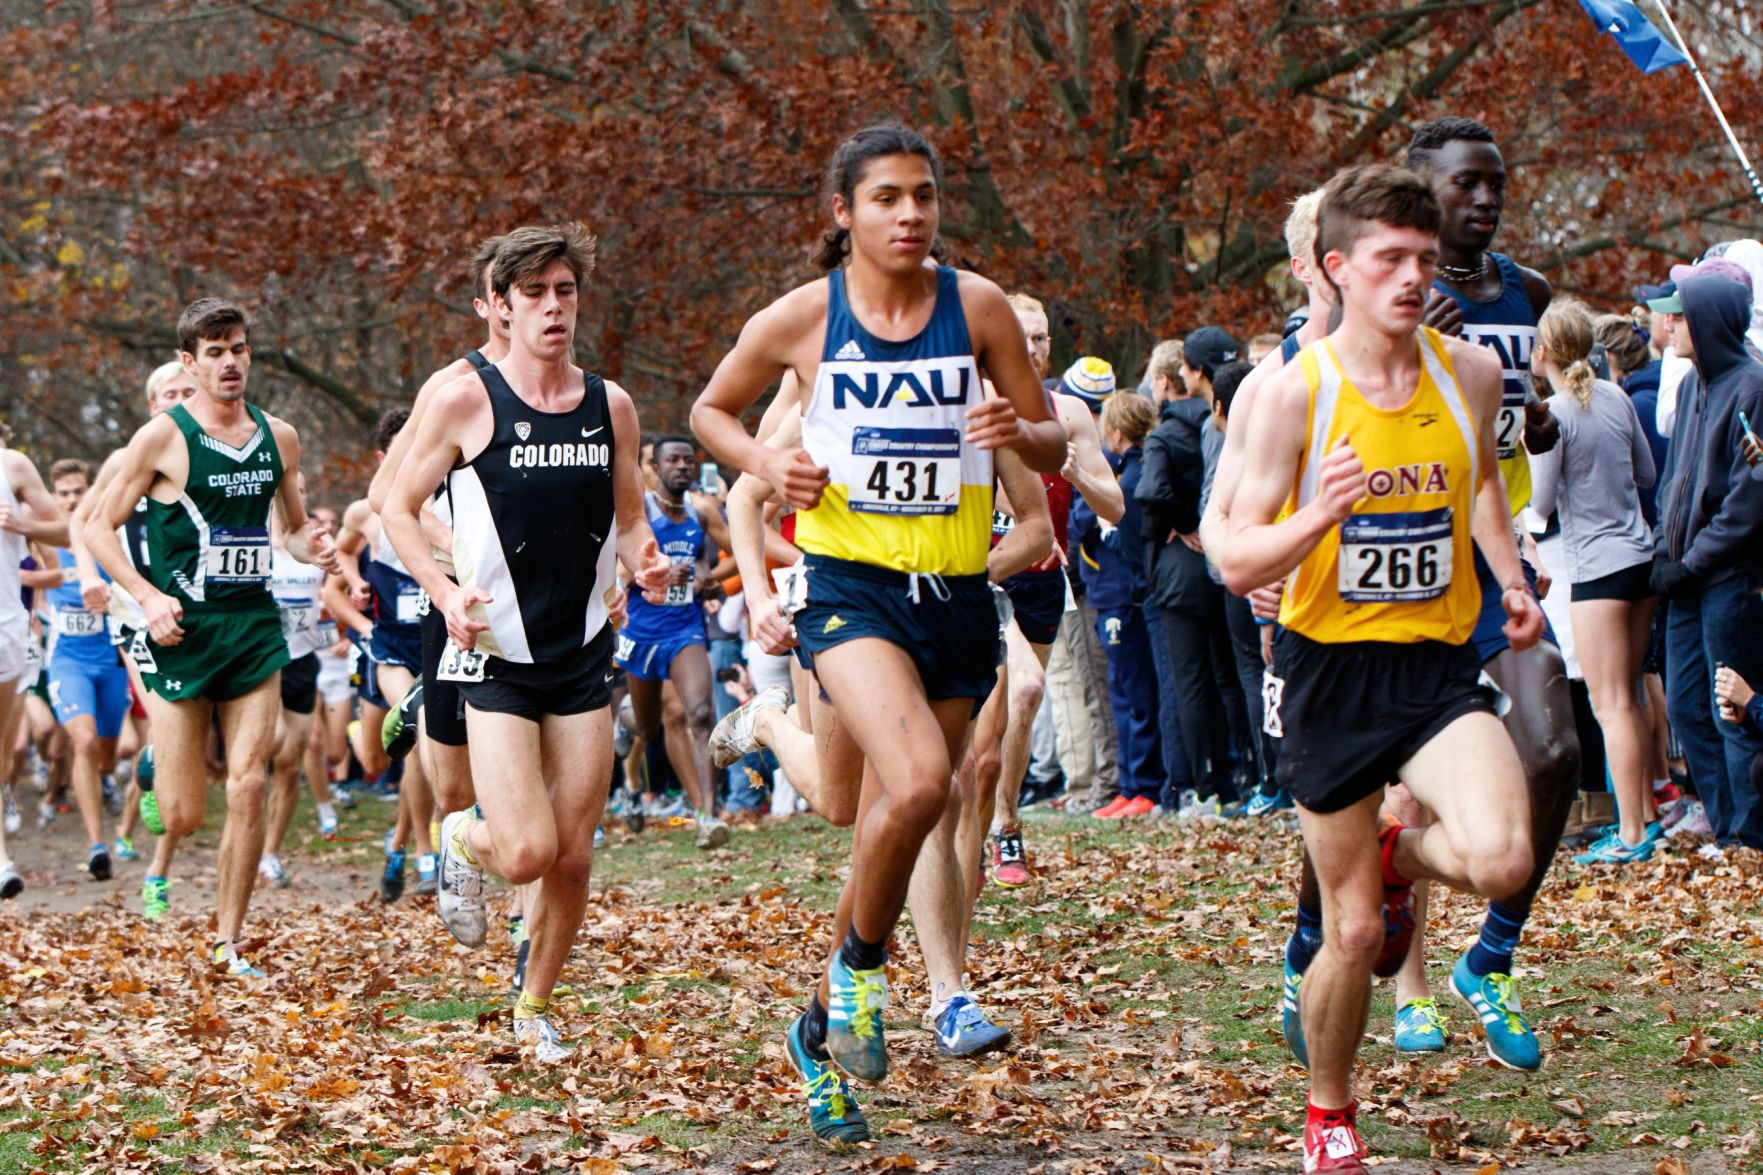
950	630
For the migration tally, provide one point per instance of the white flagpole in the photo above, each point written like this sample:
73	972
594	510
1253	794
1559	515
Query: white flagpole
1744	160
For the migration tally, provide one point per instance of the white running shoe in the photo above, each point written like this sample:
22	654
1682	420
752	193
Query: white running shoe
273	871
461	893
540	1035
733	736
327	821
14	818
1711	852
11	884
1691	821
713	831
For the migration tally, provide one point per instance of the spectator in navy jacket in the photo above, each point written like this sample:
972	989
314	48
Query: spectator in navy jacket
1114	570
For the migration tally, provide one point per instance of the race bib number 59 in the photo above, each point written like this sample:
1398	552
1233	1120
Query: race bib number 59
1396	558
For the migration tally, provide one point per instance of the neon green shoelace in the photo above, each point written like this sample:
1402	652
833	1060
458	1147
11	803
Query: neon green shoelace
1506	1001
835	1099
871	991
1429	1011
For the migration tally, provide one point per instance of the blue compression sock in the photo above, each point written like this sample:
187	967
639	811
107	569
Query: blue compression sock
1492	952
1305	941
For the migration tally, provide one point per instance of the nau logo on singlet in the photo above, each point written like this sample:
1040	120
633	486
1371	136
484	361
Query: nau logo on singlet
1512	344
246	483
932	382
551	456
1429	478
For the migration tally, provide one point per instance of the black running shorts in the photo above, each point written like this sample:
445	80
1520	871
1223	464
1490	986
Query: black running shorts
300	684
533	691
1349	715
1039	600
443	710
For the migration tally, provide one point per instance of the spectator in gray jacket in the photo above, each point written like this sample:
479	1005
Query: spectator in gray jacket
1592	478
1708	555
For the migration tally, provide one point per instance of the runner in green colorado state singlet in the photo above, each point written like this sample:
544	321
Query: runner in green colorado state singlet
211	469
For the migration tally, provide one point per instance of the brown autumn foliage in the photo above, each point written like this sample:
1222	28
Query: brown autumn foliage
332	164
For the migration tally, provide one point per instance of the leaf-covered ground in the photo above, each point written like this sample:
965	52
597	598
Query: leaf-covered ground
1139	974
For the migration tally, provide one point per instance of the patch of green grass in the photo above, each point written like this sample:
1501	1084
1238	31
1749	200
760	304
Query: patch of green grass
451	1008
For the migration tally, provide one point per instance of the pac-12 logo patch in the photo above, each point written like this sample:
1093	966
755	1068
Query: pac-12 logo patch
522	429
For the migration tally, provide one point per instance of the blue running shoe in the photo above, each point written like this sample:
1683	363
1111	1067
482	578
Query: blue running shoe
392	880
1419	1027
854	1007
1613	850
1261	803
962	1030
1291	1020
832	1110
1494	998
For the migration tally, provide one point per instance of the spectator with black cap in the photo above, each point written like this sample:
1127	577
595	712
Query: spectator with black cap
1190	604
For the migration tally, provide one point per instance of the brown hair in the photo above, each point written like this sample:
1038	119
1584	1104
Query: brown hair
480	265
1371	194
207	319
67	467
1623	341
526	252
1565	331
1128	414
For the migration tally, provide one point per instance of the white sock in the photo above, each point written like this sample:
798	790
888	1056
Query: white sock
326	812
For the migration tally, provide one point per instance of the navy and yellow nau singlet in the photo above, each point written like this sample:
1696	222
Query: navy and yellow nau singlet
907	493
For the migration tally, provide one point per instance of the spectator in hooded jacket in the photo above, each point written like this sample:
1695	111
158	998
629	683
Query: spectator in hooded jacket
1190	602
1114	569
1636	371
1709	553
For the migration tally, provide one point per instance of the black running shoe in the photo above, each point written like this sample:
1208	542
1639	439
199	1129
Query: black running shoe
98	863
398	734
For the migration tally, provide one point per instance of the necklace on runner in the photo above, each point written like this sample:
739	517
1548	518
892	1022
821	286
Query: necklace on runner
1457	276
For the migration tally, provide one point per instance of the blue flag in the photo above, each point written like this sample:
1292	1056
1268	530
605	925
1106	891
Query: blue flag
1635	33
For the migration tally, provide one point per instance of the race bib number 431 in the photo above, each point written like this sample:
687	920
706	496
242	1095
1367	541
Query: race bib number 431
904	471
1396	558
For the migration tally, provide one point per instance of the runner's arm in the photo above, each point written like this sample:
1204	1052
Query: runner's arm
1258	550
649	569
381	485
1087	470
434	451
93	589
1214	523
335	594
133	476
1031	539
759	358
1028	426
46	524
351	539
303	543
749	538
